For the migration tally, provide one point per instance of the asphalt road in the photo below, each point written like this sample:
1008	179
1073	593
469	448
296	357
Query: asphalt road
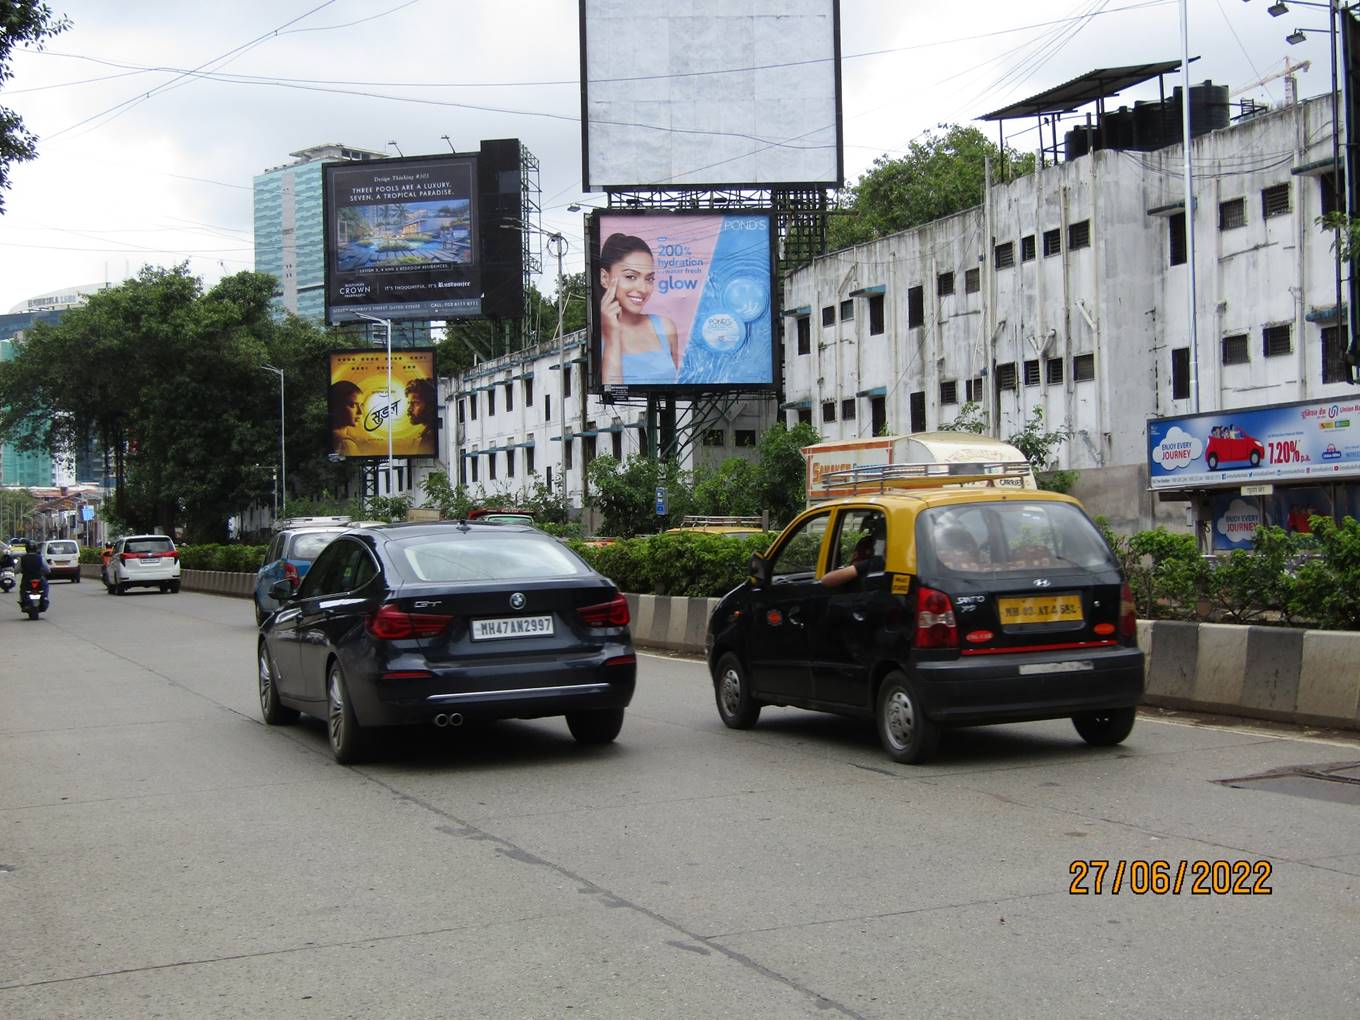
164	854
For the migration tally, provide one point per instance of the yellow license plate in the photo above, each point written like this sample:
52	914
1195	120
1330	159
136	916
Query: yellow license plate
1040	609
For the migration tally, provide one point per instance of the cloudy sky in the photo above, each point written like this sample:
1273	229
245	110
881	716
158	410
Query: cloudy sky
154	116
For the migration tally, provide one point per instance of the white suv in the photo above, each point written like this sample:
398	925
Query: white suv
144	561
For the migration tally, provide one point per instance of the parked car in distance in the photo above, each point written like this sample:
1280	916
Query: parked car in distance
144	561
488	516
730	527
63	559
290	555
434	623
926	607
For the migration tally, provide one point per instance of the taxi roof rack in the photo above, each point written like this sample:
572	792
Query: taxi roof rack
881	478
711	520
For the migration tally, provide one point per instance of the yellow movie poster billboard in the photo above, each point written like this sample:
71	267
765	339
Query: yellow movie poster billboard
362	406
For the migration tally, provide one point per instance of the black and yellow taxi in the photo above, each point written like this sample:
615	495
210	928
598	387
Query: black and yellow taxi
933	596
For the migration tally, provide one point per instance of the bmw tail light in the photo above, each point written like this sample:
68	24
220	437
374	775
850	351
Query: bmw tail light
1128	615
392	624
613	613
935	624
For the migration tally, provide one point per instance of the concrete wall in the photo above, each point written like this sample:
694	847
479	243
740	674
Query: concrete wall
1298	676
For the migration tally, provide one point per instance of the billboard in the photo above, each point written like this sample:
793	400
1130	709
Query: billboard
742	93
405	238
361	406
1312	440
681	301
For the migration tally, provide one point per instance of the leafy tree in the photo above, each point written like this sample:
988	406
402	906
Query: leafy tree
21	21
969	419
940	175
625	494
781	475
732	489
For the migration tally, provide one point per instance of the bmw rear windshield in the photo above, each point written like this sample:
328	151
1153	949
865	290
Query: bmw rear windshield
1011	537
493	555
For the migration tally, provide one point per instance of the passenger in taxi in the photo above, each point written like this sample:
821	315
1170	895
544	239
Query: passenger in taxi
862	561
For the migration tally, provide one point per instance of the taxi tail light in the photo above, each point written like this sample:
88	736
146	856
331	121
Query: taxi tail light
1128	616
935	624
613	613
392	624
291	575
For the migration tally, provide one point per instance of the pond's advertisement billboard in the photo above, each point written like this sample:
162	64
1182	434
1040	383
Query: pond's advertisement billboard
1317	441
362	406
402	239
682	301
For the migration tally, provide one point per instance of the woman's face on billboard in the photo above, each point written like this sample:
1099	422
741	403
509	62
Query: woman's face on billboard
351	410
634	278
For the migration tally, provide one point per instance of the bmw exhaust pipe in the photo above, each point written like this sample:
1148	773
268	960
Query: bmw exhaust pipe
452	719
441	720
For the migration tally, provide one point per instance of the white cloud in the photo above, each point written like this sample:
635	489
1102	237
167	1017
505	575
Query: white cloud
1177	449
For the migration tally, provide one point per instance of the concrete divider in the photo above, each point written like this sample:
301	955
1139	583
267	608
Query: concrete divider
1278	673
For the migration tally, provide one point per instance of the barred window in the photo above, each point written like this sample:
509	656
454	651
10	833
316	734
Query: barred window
509	396
1232	214
1006	376
973	389
1055	370
714	437
1032	372
829	315
1027	248
1004	255
1334	355
944	284
1277	340
804	334
1176	237
848	409
916	404
1079	234
972	281
847	310
1275	201
1052	242
1235	351
949	392
829	411
1083	368
875	314
744	437
916	307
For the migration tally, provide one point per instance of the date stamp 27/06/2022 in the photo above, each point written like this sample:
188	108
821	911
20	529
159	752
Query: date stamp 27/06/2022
1142	877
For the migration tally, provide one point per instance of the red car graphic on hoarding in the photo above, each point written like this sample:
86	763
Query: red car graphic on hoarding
1229	445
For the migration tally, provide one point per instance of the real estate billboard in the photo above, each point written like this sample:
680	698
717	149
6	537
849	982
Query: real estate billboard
682	301
362	407
745	92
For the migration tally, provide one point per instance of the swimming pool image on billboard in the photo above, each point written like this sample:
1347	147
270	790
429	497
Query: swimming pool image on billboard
404	234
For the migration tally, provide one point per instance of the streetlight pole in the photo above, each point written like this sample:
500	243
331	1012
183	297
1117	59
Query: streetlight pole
387	325
283	456
557	247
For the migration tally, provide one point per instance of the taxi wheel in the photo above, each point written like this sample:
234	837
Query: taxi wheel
275	712
1105	729
347	739
903	729
732	692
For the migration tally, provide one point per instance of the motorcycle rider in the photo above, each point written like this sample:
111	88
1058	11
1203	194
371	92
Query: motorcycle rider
32	565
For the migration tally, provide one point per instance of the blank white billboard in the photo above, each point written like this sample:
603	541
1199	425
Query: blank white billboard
710	93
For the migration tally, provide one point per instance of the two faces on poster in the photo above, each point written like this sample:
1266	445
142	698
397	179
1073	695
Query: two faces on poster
359	421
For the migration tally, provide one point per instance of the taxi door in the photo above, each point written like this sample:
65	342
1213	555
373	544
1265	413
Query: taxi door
859	615
784	611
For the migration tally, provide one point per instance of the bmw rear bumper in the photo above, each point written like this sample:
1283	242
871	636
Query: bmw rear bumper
974	690
516	690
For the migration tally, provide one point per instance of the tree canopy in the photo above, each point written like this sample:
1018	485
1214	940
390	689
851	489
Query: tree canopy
21	21
940	175
167	380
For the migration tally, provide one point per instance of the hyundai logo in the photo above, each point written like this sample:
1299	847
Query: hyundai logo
1041	582
517	600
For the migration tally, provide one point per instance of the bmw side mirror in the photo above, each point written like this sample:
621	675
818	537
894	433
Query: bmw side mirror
281	591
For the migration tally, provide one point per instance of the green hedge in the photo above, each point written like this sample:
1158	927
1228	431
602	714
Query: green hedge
698	565
242	559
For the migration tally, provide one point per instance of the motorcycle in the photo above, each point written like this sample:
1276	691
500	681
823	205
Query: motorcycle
33	600
7	579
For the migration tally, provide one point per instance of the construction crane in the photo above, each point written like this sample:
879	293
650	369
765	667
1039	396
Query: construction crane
1291	85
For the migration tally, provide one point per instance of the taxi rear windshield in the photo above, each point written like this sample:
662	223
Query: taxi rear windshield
1010	537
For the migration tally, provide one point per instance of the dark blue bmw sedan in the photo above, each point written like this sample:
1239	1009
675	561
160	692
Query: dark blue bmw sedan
437	623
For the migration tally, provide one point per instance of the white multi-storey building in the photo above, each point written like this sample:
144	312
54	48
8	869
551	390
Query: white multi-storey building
1067	291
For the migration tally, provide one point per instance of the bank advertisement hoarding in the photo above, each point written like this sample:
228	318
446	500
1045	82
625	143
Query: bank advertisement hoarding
1315	441
743	92
682	301
361	405
402	239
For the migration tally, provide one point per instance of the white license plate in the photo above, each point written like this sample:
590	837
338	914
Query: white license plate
1076	666
512	627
